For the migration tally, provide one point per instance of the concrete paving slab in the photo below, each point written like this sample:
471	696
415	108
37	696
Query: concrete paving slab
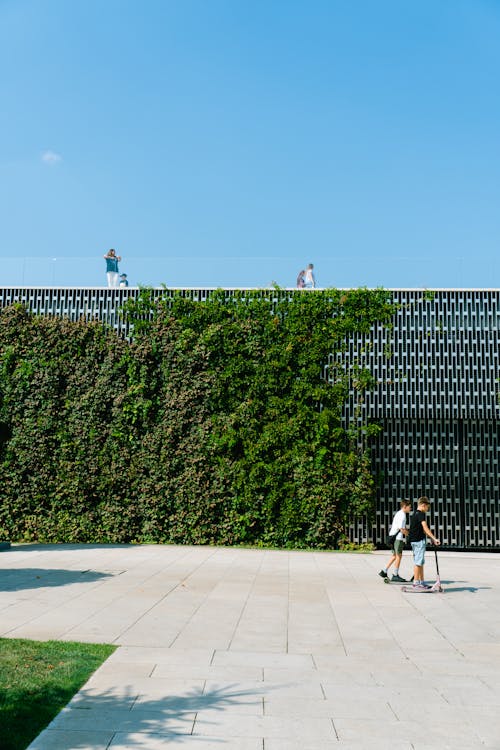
262	659
416	731
306	728
165	720
214	673
141	741
279	744
62	740
340	707
261	649
174	656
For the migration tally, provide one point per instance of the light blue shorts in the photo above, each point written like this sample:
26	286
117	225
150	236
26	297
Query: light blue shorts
419	551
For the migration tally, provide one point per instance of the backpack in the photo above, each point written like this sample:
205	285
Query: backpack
391	538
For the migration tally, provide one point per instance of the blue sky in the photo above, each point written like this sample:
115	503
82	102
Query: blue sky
231	142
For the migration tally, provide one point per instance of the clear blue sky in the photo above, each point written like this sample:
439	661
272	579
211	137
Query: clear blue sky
230	142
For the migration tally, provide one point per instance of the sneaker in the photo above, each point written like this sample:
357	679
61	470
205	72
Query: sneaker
397	579
383	574
421	585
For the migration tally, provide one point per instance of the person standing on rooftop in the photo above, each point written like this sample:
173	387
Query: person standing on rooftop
310	281
112	268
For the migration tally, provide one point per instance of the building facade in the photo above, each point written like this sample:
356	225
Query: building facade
436	398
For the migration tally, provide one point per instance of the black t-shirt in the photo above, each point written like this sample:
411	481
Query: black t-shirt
416	531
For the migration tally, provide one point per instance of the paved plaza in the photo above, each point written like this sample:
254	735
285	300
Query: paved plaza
247	649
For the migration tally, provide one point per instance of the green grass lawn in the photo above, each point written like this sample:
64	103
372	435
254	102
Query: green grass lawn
36	680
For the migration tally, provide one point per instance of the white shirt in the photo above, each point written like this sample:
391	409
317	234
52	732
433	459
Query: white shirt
398	522
309	278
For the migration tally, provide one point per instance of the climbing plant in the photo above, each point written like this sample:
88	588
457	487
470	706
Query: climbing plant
218	421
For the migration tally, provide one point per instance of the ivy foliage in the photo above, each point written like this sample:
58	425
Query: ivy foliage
221	421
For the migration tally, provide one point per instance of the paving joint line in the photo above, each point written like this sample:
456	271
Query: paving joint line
322	578
252	586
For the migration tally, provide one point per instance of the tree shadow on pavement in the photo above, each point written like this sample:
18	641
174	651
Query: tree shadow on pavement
65	546
17	579
129	718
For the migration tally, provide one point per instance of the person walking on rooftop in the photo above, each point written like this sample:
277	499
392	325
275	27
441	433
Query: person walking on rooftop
112	259
310	281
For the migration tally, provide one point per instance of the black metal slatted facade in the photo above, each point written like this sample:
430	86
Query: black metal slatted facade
436	398
455	463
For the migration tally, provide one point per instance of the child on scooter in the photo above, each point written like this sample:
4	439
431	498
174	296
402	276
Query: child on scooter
419	532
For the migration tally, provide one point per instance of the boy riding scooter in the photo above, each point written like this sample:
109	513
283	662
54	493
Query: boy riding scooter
419	532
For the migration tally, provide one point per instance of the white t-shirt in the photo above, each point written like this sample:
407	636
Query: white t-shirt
398	522
309	278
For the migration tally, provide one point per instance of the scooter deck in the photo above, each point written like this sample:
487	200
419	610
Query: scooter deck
436	588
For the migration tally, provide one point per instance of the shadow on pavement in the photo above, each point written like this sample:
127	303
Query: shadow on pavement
17	579
131	717
472	589
60	546
448	584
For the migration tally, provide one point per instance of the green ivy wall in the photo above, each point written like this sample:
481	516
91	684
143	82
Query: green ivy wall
214	425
